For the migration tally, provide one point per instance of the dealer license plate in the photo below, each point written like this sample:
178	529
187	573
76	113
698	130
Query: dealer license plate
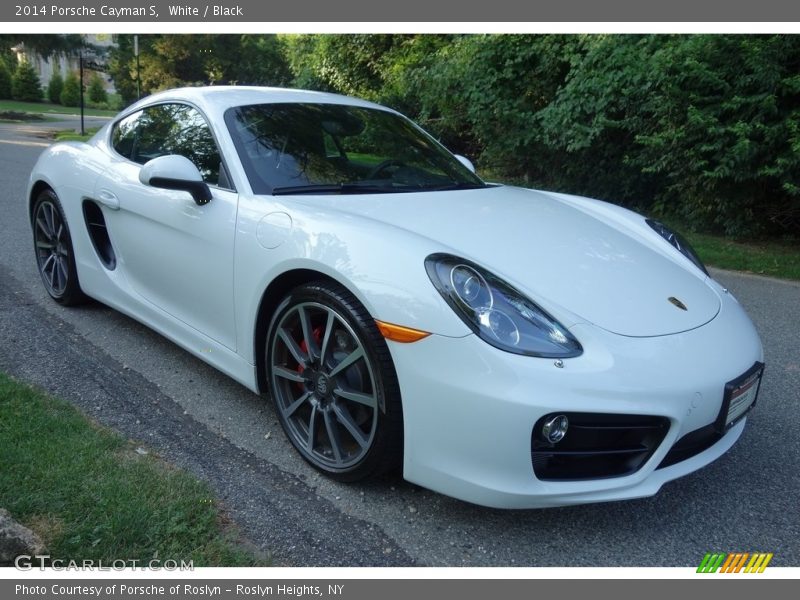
741	393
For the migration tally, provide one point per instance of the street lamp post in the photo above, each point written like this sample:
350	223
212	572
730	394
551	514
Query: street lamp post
80	69
138	76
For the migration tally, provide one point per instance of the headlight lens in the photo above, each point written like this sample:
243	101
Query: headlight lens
677	241
499	314
471	288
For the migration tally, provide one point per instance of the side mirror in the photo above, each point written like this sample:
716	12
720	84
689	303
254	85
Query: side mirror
466	162
175	172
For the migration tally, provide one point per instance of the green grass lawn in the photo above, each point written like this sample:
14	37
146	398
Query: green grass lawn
69	135
776	259
51	109
90	495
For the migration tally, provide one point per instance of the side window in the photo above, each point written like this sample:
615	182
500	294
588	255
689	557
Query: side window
124	136
170	129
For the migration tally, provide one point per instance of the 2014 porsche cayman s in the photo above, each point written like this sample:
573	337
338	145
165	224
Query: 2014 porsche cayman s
509	347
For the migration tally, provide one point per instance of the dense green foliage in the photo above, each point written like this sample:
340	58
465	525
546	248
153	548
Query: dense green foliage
97	89
122	68
71	94
55	87
44	44
171	60
709	125
25	84
702	127
5	81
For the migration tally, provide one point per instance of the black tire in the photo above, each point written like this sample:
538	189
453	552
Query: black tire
55	257
337	397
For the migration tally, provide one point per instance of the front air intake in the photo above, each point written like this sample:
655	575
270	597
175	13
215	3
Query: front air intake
691	444
596	446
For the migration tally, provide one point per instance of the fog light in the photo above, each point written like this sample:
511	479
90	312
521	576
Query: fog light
555	429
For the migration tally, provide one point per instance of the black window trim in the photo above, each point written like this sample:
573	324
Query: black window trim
223	160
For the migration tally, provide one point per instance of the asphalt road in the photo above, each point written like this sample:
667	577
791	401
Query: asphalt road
125	376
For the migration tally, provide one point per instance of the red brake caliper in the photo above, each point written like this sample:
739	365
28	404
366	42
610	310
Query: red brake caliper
317	334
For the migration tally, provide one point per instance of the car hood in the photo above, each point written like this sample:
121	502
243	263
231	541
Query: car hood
556	253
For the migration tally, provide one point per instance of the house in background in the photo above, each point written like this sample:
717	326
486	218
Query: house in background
92	61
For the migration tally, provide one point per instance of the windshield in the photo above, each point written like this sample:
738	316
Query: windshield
331	148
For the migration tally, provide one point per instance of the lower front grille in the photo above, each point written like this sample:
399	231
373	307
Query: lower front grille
596	446
691	444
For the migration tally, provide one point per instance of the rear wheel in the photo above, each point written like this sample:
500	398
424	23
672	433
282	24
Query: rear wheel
333	383
54	255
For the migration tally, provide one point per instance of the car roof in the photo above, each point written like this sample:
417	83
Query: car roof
217	99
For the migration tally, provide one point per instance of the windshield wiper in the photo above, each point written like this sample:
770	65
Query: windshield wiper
357	187
369	187
455	186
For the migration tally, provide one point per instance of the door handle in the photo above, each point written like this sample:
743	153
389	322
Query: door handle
108	199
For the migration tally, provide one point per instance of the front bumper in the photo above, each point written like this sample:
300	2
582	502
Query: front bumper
469	409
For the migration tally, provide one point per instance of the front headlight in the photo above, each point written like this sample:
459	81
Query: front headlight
499	314
677	241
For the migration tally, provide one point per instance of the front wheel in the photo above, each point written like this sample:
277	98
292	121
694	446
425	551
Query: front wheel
333	383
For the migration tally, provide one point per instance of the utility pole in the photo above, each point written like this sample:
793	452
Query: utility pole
138	75
80	68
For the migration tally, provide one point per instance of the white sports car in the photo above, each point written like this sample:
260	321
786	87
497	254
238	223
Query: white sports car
509	347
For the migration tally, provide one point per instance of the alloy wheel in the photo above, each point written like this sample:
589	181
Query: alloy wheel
325	386
52	248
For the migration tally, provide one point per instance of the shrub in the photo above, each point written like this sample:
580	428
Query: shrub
71	94
55	87
5	82
25	84
97	89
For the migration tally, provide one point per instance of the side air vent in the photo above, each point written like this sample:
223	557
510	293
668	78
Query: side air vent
98	233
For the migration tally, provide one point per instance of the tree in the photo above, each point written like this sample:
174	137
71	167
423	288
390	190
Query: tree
97	89
25	84
45	45
55	87
481	95
5	82
261	61
8	59
122	66
316	61
178	60
71	94
703	127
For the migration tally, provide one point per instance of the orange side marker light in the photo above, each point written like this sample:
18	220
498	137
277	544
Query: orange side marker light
398	333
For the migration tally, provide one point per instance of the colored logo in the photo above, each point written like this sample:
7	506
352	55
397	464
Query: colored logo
736	562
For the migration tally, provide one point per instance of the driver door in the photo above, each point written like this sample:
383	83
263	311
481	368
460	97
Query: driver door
176	255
